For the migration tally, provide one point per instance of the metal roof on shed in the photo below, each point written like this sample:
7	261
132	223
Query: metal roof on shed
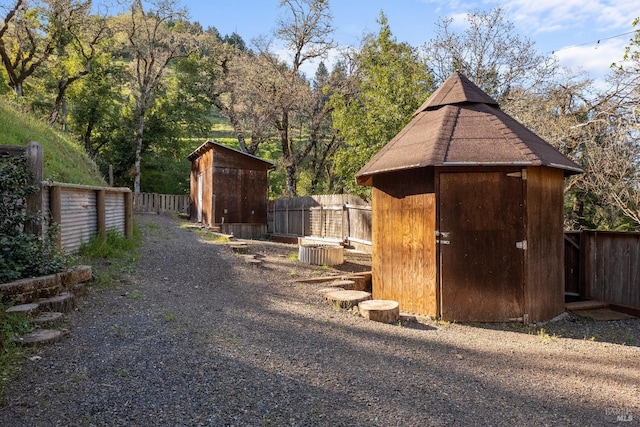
460	125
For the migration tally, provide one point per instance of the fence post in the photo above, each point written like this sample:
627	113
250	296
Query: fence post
34	154
128	214
101	212
156	202
55	207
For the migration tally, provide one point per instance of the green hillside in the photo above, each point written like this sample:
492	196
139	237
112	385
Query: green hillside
64	159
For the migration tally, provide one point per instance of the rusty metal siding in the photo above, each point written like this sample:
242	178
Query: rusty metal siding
114	211
79	217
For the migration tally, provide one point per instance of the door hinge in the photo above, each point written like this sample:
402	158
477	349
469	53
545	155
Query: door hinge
522	174
444	234
522	245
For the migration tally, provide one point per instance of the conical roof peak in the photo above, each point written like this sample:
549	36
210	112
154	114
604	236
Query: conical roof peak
461	125
457	89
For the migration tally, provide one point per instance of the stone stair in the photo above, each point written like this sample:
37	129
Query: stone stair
44	301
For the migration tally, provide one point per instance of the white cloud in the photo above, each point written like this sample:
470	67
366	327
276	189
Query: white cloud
594	59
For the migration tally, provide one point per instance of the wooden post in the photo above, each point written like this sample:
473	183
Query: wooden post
128	214
100	211
55	207
34	155
156	202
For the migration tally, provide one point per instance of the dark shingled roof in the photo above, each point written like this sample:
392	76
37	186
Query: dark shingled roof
461	125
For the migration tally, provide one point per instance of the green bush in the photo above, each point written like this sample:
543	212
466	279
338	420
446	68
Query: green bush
23	254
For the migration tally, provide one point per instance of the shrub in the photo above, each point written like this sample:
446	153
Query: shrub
23	254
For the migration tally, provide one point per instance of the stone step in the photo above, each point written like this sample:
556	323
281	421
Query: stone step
385	311
48	318
40	336
62	303
25	310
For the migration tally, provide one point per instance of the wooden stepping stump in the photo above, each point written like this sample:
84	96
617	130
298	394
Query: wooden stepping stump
360	283
254	262
378	310
240	248
327	290
344	284
62	303
41	336
48	318
347	299
25	310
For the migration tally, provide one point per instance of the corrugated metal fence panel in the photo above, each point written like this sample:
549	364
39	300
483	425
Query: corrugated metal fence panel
114	204
79	217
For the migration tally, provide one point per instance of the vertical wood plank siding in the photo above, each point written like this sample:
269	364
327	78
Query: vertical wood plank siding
612	270
158	203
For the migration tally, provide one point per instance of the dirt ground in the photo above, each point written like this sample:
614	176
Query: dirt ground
193	335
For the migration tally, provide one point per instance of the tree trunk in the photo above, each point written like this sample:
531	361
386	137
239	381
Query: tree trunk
138	158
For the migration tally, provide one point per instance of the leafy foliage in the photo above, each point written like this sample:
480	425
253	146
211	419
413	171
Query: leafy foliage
390	82
23	254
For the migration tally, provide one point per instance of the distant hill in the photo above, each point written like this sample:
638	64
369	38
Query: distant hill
64	159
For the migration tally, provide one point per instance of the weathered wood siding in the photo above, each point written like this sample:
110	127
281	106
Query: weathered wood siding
339	217
481	267
234	187
404	248
544	265
203	166
612	267
158	203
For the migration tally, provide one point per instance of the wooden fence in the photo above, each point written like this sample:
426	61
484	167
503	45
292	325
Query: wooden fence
340	218
605	266
158	203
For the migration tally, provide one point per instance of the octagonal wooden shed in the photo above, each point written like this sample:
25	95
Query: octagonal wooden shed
468	213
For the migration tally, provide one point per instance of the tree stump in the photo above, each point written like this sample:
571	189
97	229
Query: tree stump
360	283
26	310
48	318
41	336
347	299
344	284
62	303
385	311
240	248
327	290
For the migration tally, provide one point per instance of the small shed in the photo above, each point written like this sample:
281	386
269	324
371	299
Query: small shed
467	214
229	190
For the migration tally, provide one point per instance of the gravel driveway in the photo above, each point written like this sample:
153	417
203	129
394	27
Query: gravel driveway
195	336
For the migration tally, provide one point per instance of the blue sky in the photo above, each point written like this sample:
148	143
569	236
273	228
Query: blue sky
584	34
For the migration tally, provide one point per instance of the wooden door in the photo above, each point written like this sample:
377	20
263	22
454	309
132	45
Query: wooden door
481	233
200	196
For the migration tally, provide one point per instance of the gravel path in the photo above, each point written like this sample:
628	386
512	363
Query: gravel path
194	336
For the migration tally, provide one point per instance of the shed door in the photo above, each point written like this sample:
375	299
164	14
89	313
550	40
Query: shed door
200	195
481	264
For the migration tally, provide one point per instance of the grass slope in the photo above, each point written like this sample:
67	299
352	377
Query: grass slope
64	159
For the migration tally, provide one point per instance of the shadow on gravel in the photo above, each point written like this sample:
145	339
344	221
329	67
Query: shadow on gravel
623	332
